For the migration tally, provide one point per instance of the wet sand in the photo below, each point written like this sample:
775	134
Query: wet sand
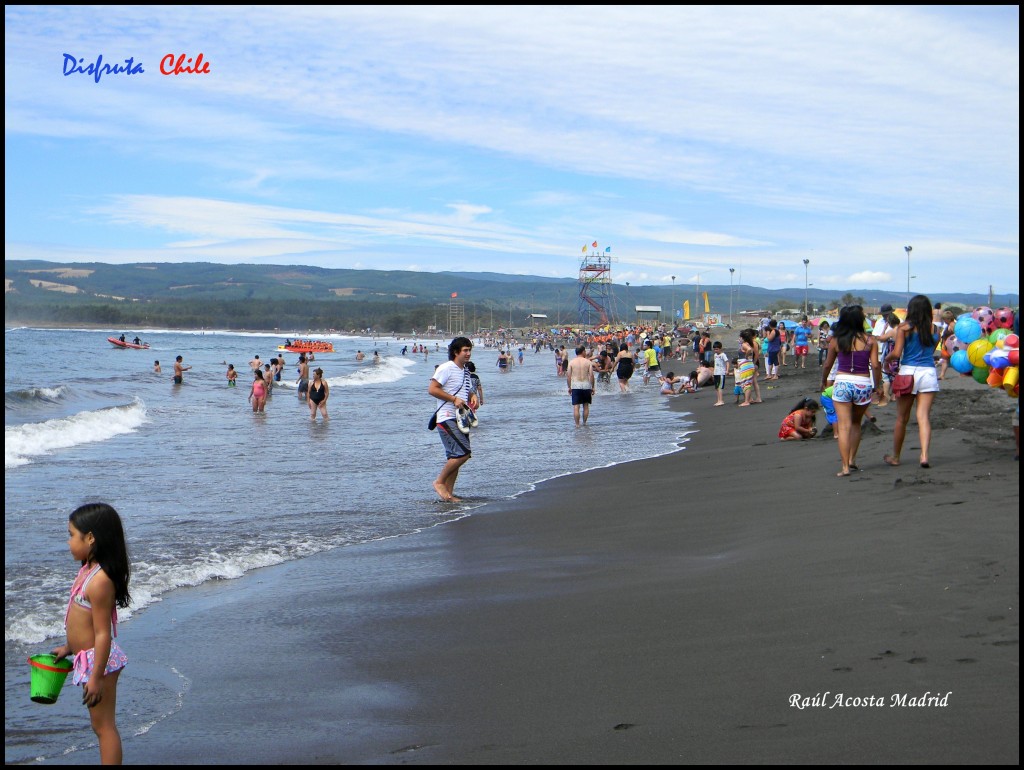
661	611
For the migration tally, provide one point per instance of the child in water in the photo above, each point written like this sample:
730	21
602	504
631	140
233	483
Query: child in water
232	375
668	384
799	423
96	539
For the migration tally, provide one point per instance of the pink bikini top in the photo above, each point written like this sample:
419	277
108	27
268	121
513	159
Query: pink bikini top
78	595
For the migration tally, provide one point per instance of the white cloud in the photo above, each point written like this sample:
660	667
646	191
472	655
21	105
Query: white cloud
869	277
693	138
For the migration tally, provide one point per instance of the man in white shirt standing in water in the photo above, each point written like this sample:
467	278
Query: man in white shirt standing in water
451	385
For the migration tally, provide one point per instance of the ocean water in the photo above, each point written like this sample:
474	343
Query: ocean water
208	491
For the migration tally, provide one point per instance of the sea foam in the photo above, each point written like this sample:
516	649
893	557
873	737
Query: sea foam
390	369
23	443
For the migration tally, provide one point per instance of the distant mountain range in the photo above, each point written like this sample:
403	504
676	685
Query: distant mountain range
37	284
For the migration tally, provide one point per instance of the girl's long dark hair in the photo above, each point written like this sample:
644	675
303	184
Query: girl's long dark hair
109	549
849	327
919	316
805	403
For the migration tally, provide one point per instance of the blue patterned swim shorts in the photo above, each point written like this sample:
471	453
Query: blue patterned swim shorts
846	392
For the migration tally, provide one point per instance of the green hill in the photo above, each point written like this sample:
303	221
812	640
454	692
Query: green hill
302	297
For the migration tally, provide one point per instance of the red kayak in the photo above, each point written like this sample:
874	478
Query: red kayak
121	344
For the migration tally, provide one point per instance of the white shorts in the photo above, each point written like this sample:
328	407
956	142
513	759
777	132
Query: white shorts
925	378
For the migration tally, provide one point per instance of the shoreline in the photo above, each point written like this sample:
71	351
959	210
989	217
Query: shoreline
656	611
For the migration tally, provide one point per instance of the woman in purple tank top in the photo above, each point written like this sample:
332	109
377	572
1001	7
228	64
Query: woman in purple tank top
857	378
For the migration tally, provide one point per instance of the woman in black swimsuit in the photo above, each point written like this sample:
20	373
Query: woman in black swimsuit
316	395
624	367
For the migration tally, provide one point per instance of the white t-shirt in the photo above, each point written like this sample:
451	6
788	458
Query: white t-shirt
455	381
880	328
721	363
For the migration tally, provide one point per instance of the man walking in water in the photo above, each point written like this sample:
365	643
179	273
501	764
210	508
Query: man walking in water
303	381
451	385
179	370
579	376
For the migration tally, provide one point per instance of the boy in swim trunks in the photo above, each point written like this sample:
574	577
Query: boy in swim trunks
179	370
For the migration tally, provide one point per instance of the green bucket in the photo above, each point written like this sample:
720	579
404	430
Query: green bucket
48	675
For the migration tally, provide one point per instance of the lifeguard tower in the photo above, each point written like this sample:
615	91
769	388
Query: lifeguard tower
456	315
596	303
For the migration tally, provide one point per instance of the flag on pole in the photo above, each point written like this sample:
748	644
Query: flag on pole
607	249
454	294
707	307
686	310
584	249
595	244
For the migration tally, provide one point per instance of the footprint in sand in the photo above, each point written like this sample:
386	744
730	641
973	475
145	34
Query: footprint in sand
413	747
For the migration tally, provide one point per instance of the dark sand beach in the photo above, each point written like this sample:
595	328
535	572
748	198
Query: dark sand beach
663	611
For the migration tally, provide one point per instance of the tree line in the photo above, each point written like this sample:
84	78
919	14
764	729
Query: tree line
227	314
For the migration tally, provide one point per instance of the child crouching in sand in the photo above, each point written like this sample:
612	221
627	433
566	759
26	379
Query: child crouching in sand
799	423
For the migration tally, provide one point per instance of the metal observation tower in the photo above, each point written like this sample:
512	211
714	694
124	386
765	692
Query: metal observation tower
596	303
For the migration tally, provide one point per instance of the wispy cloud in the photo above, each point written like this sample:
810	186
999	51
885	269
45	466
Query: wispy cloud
686	136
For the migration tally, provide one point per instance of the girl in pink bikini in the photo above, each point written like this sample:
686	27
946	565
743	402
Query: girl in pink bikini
96	539
258	394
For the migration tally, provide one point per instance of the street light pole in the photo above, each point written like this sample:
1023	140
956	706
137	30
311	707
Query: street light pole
672	314
806	263
731	271
908	249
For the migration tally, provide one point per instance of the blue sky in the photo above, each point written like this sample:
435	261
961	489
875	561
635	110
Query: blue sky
690	140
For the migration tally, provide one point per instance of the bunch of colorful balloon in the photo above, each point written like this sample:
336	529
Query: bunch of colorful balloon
984	346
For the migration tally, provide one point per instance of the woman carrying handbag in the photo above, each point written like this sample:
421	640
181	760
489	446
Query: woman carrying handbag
917	381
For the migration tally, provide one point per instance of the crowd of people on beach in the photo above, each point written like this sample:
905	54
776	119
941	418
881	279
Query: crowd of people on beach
864	362
861	359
